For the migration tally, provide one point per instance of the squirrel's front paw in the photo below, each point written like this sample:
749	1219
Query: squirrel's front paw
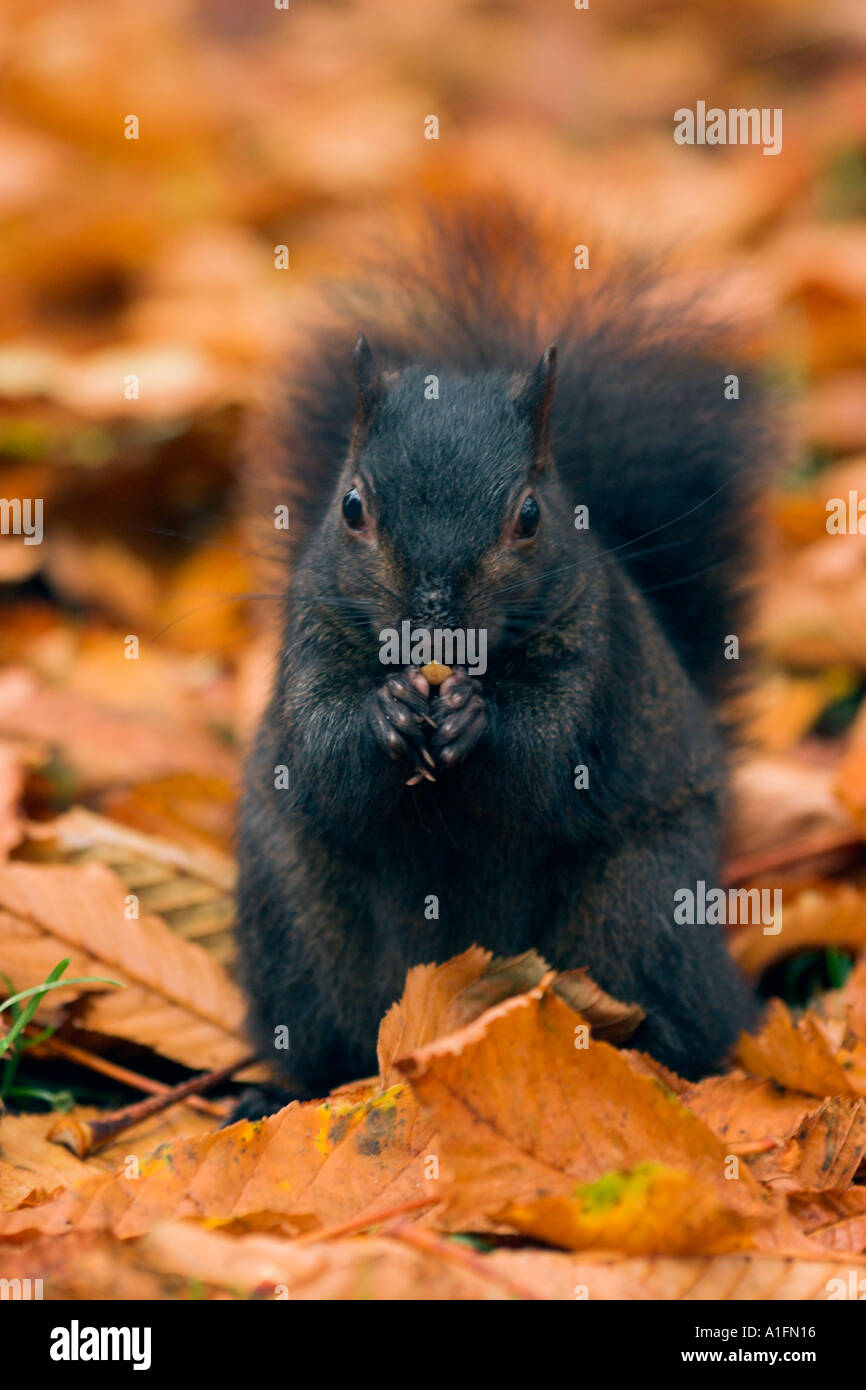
398	715
460	715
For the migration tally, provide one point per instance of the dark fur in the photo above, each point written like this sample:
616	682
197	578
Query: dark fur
606	650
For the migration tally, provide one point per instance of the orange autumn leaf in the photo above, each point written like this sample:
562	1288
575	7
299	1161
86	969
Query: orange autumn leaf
420	1015
849	1002
799	1054
783	708
746	1110
439	999
648	1210
826	1150
306	1167
103	743
342	1269
790	1141
813	610
836	1219
178	1255
524	1114
833	915
32	1168
779	799
90	1266
13	759
177	999
607	1017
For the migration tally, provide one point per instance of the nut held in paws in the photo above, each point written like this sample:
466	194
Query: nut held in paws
435	672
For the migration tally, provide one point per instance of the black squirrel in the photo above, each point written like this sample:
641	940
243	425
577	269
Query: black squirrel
559	800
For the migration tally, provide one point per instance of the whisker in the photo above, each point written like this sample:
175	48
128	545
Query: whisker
575	565
208	544
685	578
635	540
214	603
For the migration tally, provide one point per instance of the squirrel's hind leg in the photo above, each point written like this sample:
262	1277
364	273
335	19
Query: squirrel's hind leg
621	926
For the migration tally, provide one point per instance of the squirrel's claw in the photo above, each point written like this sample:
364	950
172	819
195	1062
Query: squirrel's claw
396	712
421	775
462	719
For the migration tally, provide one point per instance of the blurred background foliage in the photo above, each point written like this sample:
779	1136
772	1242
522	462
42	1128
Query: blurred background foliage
304	128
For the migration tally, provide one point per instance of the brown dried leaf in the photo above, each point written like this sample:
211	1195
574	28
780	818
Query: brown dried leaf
424	1008
825	1151
834	915
372	1268
438	999
747	1277
502	979
835	1219
746	1112
32	1168
849	1002
813	610
648	1210
779	800
799	1054
161	1264
12	766
88	1267
524	1114
178	999
850	784
102	743
307	1167
789	1141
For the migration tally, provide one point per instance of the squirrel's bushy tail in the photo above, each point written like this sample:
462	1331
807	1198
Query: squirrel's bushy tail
649	428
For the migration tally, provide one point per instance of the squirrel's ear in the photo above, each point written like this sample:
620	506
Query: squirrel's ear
533	396
368	379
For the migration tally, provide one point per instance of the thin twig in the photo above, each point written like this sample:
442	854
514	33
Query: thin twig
749	1147
83	1137
364	1223
92	1060
467	1260
782	856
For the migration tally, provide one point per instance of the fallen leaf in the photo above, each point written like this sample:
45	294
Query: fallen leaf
849	1003
812	611
779	800
525	1114
648	1210
850	783
607	1017
835	416
834	915
177	1000
104	744
32	1169
835	1219
427	1000
798	1054
788	1139
13	759
441	998
825	1150
746	1111
270	1267
307	1167
783	708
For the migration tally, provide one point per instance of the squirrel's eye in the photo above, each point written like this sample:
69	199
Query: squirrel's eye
527	519
353	509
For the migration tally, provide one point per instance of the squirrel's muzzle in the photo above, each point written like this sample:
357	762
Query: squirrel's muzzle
433	606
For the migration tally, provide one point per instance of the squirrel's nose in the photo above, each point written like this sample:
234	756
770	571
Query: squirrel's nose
433	606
